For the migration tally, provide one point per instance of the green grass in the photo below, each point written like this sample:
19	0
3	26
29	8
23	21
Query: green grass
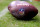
9	21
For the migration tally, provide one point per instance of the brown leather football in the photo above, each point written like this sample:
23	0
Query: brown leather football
22	10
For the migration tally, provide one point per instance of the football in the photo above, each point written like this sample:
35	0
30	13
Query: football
22	10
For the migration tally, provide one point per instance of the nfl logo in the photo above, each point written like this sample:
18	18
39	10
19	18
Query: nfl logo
21	11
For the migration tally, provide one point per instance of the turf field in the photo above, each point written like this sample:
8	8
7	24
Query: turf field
9	21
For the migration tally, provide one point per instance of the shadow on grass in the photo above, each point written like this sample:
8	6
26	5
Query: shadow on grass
26	19
36	18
